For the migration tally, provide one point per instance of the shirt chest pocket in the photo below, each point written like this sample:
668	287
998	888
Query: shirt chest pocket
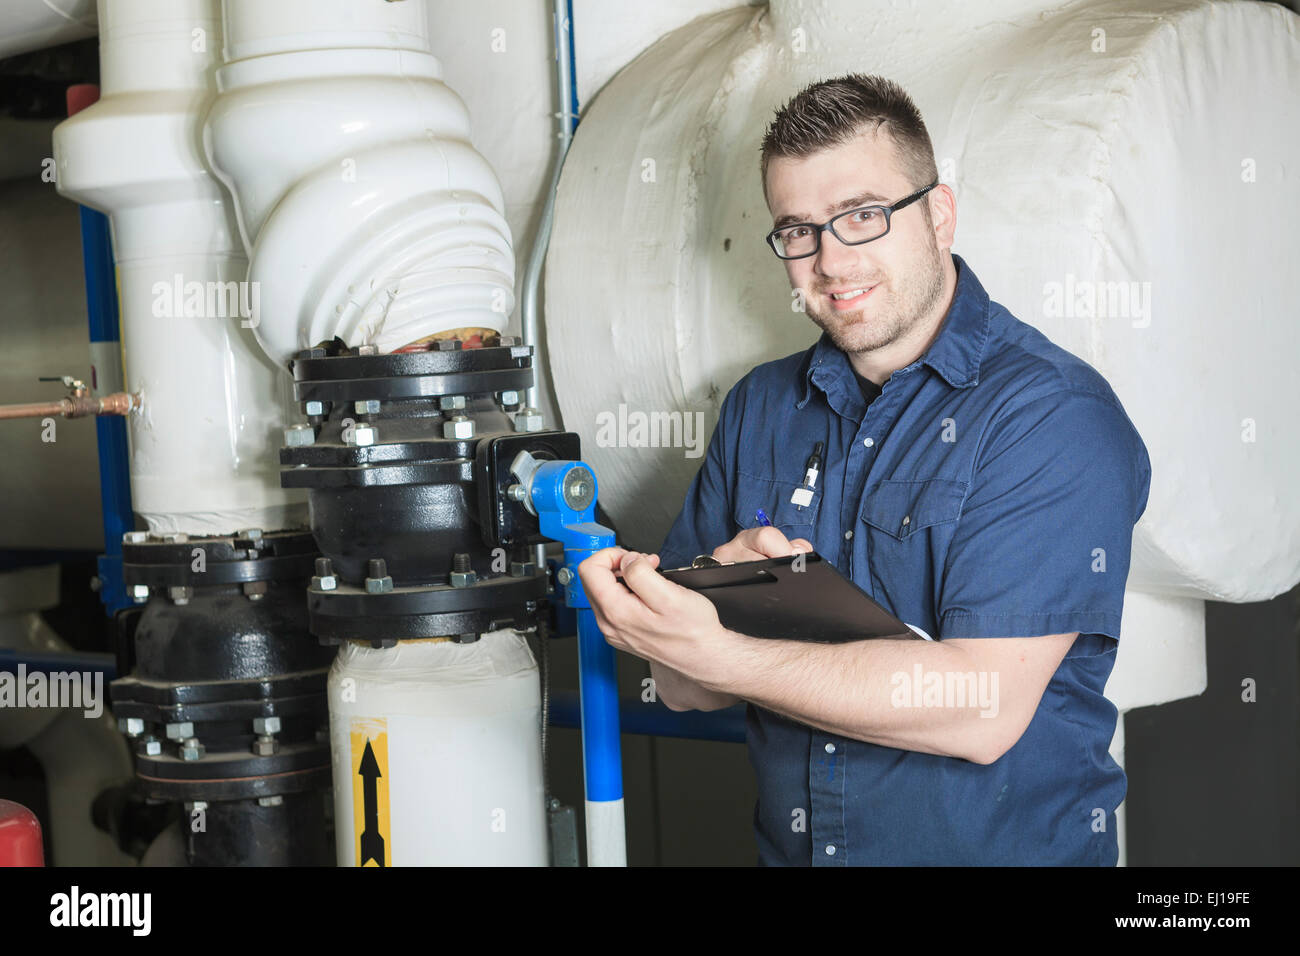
772	496
903	509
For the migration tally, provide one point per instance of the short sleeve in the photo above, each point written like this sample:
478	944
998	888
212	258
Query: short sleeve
704	522
1045	534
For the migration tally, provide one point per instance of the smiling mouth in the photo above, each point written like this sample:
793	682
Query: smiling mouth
850	298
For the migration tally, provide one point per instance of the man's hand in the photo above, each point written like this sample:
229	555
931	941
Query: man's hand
755	544
653	618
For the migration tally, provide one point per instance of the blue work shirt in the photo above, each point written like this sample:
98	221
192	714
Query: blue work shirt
990	490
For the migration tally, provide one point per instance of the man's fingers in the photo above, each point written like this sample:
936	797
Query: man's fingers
641	576
802	544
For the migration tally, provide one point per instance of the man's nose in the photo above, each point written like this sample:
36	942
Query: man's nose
834	258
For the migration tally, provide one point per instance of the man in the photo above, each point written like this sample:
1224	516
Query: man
978	481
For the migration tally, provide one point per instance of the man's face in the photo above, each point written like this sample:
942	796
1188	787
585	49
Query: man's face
899	277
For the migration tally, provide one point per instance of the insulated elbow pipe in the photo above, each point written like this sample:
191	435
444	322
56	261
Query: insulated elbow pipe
366	212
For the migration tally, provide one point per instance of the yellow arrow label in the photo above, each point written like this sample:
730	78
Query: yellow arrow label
370	817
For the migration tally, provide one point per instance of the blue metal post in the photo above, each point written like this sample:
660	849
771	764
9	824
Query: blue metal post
110	430
602	758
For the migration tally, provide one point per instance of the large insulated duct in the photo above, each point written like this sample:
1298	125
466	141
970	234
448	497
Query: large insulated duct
366	212
203	445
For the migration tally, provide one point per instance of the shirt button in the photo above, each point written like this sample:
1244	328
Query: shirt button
830	849
830	748
868	442
848	535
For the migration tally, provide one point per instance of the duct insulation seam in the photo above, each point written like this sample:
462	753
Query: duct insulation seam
436	754
367	213
204	446
1112	192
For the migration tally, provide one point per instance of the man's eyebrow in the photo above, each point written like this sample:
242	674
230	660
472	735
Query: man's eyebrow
853	202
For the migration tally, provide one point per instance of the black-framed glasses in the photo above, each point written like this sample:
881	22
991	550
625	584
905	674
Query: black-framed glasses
802	239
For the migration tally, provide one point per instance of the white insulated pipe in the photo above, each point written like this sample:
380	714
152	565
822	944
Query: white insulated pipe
367	213
204	445
29	25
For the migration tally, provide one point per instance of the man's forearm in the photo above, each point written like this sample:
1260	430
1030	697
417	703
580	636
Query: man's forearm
880	691
679	692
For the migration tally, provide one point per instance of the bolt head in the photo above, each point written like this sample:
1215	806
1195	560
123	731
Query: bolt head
299	436
135	537
191	749
367	349
139	593
326	582
368	406
528	420
181	731
564	576
151	747
364	434
451	402
131	726
458	428
266	745
314	408
463	579
522	569
266	725
510	397
275	801
180	595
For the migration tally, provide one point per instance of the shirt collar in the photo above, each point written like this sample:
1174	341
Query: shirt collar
954	355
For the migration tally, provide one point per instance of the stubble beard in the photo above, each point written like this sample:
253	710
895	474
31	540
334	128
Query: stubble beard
887	318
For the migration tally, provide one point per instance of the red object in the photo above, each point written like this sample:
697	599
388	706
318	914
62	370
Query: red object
20	836
80	96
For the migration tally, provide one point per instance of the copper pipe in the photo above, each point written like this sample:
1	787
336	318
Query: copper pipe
77	406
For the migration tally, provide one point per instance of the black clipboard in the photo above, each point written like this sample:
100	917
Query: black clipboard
800	597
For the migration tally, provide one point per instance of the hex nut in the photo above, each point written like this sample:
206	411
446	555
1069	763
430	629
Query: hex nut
191	749
522	569
326	582
266	745
181	731
131	726
379	585
274	801
255	590
510	397
364	434
367	350
299	436
180	595
314	408
139	593
528	420
463	579
458	428
151	747
266	725
366	406
135	537
447	402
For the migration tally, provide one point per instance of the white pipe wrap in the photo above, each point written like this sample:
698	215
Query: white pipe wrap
367	213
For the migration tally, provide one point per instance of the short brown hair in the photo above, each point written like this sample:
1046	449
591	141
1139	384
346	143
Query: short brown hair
832	112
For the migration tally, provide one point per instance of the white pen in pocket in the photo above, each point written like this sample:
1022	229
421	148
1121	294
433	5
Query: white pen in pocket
803	495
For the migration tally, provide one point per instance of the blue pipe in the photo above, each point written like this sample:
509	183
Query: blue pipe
656	720
110	430
54	661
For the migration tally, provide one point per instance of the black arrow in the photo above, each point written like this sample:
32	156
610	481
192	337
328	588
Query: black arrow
372	843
